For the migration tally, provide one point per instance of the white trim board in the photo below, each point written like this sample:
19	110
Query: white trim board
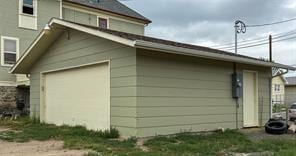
7	84
27	51
94	32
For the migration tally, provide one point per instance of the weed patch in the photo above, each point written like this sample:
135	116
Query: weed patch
76	137
103	142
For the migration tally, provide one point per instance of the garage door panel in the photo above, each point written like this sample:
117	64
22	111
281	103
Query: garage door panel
79	96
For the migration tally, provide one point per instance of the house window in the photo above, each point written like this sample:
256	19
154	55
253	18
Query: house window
103	23
277	88
9	51
28	14
28	7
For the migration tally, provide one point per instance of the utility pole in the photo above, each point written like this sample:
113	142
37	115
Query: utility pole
270	80
270	48
239	27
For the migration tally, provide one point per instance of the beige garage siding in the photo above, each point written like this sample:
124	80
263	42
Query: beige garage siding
178	93
84	49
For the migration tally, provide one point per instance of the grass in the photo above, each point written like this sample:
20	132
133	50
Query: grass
219	143
104	142
74	137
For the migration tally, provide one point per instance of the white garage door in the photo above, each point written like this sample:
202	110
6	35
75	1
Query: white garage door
78	96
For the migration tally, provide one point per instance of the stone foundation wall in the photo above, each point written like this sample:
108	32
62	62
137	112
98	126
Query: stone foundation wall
8	96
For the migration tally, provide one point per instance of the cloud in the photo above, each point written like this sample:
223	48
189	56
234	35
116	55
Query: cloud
210	22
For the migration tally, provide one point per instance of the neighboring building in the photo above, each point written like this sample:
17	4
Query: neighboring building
143	86
278	90
22	20
290	90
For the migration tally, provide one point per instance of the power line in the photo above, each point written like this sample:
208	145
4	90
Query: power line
257	25
232	43
260	44
250	40
264	43
273	23
259	41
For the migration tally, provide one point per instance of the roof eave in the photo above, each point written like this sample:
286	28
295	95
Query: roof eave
90	31
205	54
93	32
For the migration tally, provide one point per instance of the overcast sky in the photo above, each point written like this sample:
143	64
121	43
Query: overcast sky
210	23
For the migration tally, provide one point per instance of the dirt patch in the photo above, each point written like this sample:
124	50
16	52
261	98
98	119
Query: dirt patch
140	144
37	148
3	129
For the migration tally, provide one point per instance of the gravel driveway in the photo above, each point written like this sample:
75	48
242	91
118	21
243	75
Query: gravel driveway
257	134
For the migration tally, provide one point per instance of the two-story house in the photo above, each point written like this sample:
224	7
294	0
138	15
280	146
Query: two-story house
278	90
22	20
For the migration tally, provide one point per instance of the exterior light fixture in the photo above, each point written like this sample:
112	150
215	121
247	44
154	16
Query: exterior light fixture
47	29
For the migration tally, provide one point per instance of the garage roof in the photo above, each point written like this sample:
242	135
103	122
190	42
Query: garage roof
44	40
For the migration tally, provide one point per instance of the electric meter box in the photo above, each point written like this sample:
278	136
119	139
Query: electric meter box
237	85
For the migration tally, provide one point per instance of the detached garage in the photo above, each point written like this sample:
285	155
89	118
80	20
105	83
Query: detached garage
143	86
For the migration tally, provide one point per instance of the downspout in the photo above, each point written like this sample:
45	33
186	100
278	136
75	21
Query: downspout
61	9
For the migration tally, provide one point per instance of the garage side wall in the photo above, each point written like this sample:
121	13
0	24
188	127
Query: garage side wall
82	49
180	94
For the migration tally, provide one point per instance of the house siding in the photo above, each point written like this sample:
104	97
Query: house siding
126	27
79	17
91	19
84	49
290	94
178	93
9	26
278	97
